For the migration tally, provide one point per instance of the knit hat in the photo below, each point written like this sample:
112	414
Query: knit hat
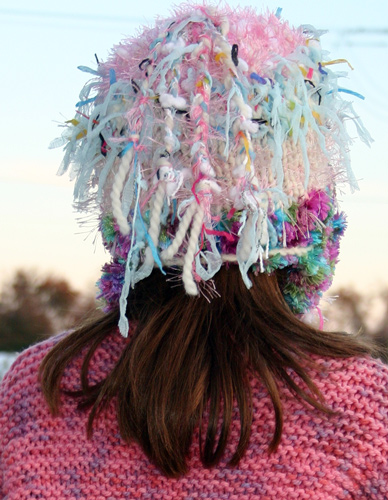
216	137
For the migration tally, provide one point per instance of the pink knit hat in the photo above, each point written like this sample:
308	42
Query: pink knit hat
217	136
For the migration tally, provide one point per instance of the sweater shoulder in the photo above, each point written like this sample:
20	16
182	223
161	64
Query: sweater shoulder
357	390
20	390
345	373
26	366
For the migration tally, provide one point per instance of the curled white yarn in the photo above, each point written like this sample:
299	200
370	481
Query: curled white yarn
187	274
154	228
169	101
230	257
117	189
298	251
169	140
169	252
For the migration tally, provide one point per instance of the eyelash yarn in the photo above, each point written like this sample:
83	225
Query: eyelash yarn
217	136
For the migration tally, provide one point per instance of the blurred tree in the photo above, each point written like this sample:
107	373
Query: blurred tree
347	312
367	314
382	331
33	308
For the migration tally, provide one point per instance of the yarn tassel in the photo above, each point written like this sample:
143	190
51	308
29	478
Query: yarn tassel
154	229
250	246
170	251
129	265
117	189
213	260
187	275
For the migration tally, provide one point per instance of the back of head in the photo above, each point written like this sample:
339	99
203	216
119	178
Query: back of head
217	136
209	149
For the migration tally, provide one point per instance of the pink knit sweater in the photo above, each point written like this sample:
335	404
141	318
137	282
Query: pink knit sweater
345	457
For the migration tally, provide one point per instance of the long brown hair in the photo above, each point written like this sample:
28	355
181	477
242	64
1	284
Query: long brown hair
188	355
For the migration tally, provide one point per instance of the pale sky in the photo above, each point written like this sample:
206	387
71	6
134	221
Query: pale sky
41	45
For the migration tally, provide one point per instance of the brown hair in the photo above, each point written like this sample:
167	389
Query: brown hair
187	355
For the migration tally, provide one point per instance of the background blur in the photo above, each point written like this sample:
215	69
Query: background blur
43	42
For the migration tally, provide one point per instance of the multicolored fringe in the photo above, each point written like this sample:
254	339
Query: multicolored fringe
217	136
311	231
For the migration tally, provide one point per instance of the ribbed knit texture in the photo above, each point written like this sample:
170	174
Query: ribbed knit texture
344	457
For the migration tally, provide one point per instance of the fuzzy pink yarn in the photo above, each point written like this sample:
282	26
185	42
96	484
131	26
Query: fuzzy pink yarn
245	26
342	457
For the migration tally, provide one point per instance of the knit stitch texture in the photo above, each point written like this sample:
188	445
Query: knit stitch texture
343	457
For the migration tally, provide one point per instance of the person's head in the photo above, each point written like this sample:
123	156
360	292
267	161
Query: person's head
209	149
217	136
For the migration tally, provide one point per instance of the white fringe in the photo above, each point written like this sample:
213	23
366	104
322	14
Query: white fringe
187	275
154	229
169	252
117	190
